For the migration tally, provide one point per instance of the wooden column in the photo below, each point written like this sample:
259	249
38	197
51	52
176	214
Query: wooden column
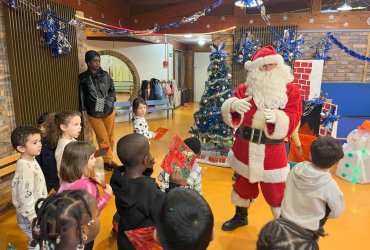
366	62
316	6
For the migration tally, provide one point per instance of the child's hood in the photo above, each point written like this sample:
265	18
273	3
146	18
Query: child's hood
128	191
306	177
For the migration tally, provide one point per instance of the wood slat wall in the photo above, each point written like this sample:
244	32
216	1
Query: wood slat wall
264	35
40	82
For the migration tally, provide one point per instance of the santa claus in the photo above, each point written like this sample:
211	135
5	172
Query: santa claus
264	110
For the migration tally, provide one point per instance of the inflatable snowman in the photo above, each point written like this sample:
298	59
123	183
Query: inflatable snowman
355	165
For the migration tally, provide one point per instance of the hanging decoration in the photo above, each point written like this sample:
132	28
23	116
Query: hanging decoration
329	118
114	30
289	46
55	33
322	49
346	49
245	48
10	3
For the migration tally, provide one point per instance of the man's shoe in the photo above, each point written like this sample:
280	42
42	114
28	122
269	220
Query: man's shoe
240	219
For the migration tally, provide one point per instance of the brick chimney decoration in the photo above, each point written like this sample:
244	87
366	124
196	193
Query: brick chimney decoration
308	76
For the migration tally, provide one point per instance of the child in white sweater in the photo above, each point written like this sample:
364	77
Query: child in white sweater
28	183
140	124
311	196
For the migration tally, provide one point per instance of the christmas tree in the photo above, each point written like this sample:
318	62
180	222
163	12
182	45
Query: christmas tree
208	123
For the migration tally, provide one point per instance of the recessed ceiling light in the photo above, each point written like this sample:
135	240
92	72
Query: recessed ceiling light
188	36
201	42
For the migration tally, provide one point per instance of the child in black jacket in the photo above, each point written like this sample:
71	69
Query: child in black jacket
46	158
137	195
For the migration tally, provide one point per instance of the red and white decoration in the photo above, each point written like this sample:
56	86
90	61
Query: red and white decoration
326	107
308	76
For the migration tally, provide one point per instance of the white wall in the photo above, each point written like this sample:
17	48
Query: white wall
147	58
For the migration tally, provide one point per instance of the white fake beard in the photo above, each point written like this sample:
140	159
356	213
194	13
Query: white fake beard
268	88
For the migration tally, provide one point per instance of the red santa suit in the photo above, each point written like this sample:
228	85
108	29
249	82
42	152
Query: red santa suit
258	154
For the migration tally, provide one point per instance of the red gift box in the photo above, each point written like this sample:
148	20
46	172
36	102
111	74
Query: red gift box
222	159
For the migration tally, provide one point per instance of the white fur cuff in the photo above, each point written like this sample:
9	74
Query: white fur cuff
238	201
273	59
281	126
226	111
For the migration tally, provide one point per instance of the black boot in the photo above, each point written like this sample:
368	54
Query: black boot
240	219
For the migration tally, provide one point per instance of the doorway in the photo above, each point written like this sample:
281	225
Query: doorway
201	63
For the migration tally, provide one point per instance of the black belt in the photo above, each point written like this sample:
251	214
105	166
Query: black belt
256	136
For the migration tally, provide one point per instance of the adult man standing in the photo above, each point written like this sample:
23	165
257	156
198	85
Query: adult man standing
97	97
265	110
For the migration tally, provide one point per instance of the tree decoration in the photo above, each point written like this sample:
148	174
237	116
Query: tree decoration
10	3
55	33
289	46
208	122
245	48
322	49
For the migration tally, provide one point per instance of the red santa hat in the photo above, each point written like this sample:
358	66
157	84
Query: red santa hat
265	55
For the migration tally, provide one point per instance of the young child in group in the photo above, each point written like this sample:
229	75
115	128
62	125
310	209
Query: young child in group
77	163
138	197
311	195
28	183
185	221
67	220
65	129
194	180
46	158
140	124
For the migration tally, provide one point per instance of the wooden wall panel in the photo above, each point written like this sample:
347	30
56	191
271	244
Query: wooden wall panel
40	82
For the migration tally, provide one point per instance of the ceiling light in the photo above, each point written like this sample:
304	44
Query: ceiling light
345	7
201	42
328	11
188	36
247	3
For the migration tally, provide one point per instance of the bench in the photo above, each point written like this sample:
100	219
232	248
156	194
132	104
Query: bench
160	105
123	108
7	167
124	87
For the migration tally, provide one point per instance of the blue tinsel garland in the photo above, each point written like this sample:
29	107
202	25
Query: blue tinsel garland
55	33
346	49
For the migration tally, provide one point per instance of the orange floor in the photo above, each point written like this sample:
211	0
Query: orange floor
350	231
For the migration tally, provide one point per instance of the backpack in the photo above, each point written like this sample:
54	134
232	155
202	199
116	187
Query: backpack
167	89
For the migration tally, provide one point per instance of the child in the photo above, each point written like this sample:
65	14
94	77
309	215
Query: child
311	195
140	124
67	220
138	197
185	221
28	183
65	129
77	163
46	158
195	178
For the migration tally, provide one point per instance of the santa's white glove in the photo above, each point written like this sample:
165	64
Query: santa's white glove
241	106
270	116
